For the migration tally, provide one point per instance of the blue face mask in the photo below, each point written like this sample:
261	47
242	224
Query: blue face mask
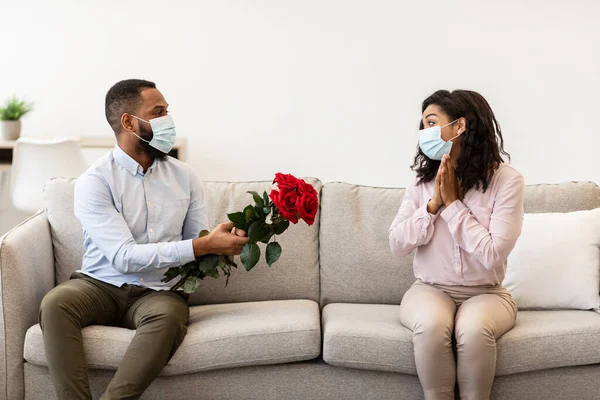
432	144
163	133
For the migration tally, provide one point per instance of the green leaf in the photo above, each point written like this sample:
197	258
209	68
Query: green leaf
191	284
249	214
250	255
257	199
203	233
208	262
222	261
273	253
280	227
230	261
267	239
238	219
267	200
257	232
213	273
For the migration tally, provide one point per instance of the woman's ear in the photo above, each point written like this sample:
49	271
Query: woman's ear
462	125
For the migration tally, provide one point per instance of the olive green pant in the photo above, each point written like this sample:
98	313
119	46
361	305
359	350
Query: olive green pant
159	317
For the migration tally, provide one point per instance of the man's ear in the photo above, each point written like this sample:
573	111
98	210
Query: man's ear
127	122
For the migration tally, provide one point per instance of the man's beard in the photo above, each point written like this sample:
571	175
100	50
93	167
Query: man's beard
144	147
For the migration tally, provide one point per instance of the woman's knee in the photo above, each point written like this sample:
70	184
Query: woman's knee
474	332
433	332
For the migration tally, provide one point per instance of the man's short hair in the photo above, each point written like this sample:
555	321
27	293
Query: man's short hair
124	97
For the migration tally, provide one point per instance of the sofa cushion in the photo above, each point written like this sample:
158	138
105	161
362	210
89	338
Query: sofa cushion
294	276
357	265
562	197
367	336
219	336
371	337
67	234
549	339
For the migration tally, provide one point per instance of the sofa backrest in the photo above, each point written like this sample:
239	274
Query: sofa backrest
294	276
356	263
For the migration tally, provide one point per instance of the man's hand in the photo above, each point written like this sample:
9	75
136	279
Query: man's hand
449	187
221	241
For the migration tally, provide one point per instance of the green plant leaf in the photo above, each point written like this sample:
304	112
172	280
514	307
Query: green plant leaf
14	109
208	262
273	253
203	233
238	219
222	261
230	261
191	284
249	214
266	199
280	227
250	255
258	231
257	199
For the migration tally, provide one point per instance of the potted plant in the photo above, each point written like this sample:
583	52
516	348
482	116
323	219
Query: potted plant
10	117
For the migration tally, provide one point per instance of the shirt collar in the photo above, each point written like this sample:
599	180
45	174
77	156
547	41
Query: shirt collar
125	160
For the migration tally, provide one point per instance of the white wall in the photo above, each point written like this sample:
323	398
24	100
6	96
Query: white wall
328	88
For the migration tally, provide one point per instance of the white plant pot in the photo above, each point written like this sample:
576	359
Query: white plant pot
11	130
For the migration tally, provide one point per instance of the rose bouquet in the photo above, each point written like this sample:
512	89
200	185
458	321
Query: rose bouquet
293	200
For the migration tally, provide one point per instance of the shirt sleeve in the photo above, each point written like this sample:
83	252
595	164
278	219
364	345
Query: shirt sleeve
96	211
490	246
196	219
413	226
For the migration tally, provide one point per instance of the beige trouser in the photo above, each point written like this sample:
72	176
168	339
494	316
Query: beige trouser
477	316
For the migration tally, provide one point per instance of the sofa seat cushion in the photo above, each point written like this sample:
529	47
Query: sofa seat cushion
549	339
219	336
367	336
372	337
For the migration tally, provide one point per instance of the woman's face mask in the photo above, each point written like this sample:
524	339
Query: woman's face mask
432	144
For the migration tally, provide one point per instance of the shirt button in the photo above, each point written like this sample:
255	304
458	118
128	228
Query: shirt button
141	279
149	204
151	230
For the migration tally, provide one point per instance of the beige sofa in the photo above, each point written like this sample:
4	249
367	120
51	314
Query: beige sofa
321	324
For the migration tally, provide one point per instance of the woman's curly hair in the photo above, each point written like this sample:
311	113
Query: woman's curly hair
482	146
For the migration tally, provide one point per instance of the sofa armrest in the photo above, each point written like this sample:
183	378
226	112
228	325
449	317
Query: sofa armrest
26	275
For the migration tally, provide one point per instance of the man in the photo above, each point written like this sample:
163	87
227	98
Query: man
141	212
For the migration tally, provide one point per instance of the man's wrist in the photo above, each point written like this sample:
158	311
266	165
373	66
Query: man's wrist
201	246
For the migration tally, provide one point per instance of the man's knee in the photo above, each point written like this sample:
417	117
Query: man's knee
55	304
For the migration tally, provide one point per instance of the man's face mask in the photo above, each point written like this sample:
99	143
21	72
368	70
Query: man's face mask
163	133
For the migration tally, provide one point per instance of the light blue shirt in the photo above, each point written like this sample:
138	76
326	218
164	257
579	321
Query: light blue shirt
137	225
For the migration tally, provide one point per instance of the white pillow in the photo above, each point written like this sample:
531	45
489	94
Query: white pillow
556	261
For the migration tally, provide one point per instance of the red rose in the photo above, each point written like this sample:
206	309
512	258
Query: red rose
285	201
285	181
308	205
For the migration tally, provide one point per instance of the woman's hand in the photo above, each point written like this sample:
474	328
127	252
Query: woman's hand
436	202
449	187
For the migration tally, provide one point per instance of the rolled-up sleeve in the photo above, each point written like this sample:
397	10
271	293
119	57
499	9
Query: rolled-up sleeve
413	225
490	246
96	211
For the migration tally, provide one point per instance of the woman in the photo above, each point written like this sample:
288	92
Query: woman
463	215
